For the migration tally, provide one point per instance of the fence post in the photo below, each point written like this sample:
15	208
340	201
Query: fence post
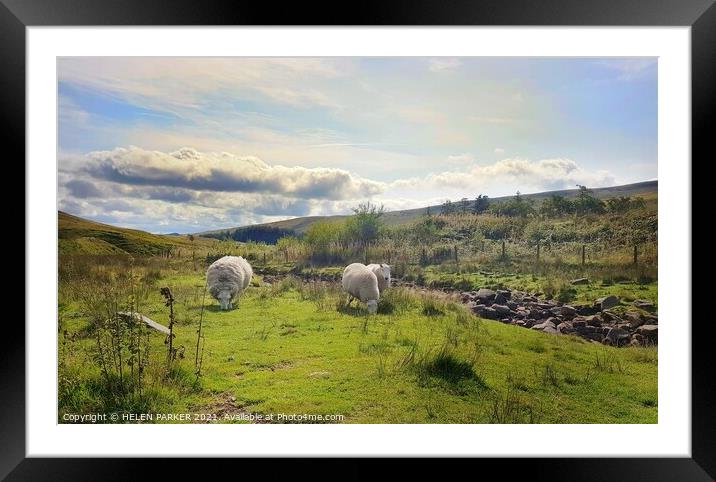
264	258
366	254
538	250
584	249
503	249
455	249
635	254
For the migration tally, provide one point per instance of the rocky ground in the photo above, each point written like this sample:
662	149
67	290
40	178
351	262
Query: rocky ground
635	323
597	322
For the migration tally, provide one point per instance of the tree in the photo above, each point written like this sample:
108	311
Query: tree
481	204
517	206
464	205
586	203
555	206
366	224
447	207
321	235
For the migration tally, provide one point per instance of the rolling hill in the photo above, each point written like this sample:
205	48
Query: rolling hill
269	232
82	236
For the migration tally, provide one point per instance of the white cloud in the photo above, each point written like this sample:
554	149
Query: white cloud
189	191
499	150
177	85
224	172
505	176
70	113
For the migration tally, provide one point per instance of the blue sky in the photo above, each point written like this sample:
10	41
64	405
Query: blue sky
187	144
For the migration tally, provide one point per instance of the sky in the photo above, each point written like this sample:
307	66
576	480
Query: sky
192	144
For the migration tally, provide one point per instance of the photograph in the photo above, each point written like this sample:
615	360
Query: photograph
357	240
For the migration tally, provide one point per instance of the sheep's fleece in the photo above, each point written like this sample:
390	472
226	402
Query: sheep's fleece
382	272
227	277
360	282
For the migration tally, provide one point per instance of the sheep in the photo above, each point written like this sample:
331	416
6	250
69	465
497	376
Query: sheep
382	272
361	283
227	277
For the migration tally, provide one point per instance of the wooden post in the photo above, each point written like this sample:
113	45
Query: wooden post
635	254
584	250
538	250
503	248
169	297
366	254
264	258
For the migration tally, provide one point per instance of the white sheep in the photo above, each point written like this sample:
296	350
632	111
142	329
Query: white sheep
227	277
382	272
360	282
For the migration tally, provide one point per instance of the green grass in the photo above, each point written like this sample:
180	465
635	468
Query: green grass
295	349
627	290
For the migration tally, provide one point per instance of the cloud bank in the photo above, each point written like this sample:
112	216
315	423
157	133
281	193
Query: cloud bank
188	190
546	174
223	172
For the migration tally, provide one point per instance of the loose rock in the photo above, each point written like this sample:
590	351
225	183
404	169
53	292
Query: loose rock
485	295
644	305
650	332
607	302
501	309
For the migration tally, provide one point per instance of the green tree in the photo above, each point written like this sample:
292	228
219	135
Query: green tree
586	203
481	204
516	206
320	236
447	208
366	225
555	206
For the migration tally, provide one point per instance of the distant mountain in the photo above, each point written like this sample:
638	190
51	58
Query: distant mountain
82	236
270	232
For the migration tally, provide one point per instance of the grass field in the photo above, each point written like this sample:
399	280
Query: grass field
294	348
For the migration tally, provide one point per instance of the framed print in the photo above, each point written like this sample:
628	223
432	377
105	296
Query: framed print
411	231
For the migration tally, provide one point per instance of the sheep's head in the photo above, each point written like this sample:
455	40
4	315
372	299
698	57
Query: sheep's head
372	306
224	298
385	272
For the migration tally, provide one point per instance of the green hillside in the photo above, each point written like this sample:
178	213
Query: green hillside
82	236
298	226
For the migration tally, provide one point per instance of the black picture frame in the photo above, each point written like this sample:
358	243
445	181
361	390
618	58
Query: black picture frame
16	15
